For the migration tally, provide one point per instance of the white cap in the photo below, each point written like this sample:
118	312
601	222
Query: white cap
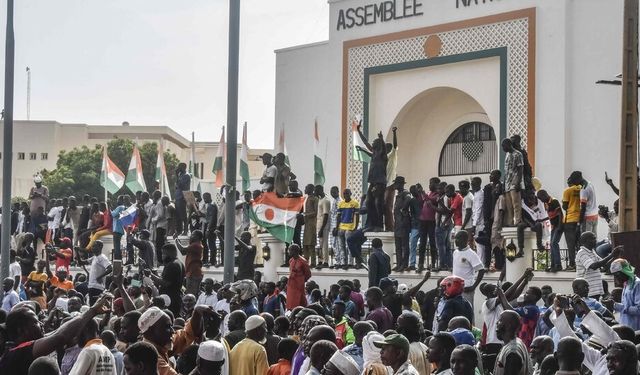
149	318
403	288
211	350
253	322
344	363
166	299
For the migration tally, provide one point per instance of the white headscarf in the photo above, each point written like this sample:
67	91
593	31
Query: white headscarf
370	353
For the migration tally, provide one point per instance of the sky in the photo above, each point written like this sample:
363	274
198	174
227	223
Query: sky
154	62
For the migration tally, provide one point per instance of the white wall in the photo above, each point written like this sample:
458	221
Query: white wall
304	93
576	121
390	92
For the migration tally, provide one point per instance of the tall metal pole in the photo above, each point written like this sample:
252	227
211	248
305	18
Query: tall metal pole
232	140
28	93
7	143
629	120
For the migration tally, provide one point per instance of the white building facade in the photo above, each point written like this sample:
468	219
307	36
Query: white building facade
37	145
455	77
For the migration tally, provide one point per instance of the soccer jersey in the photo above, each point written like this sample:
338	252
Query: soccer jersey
348	212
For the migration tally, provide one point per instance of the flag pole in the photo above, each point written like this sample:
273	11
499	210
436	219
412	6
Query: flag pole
9	60
232	140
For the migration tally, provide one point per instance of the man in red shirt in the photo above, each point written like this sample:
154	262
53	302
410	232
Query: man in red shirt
299	273
59	280
63	255
455	205
192	261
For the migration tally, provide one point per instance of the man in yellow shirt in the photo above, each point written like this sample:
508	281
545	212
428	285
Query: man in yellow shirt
347	222
571	204
35	284
248	357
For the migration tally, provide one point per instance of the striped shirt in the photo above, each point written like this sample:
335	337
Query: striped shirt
584	259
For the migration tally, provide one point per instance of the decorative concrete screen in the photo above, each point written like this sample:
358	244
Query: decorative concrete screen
513	30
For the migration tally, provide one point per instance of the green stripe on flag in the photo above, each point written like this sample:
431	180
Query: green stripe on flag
318	171
244	173
280	231
217	164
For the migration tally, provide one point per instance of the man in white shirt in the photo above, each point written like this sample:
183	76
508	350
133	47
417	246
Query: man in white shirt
477	216
269	174
100	267
54	216
14	269
323	223
207	297
95	358
465	265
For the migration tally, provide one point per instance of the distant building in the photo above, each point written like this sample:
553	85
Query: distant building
37	145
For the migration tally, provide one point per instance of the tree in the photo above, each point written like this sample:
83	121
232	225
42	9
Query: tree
78	171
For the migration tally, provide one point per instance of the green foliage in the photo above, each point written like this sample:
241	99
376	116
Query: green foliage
17	199
78	171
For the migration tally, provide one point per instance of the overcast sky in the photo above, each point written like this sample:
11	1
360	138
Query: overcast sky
154	62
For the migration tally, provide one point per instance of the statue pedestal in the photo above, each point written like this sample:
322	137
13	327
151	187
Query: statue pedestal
388	243
270	268
516	268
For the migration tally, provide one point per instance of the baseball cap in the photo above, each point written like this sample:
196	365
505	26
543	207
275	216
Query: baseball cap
396	339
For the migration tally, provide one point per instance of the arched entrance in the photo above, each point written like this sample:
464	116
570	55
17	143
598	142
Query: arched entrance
444	132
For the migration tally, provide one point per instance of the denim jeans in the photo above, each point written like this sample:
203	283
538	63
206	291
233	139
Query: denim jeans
443	239
556	234
117	251
413	245
571	236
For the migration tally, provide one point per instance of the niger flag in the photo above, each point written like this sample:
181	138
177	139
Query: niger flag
276	215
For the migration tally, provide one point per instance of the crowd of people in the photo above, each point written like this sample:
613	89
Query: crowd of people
133	306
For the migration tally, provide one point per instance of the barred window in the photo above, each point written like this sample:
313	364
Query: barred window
470	149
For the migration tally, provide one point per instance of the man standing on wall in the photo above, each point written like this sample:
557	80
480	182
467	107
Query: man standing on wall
513	184
183	183
310	227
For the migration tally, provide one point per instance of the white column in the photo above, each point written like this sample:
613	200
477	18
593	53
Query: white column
277	247
516	267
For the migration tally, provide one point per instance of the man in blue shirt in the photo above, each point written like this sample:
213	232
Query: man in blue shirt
118	231
629	307
10	297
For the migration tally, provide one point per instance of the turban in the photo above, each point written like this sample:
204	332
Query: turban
253	322
344	363
166	299
622	265
211	350
149	318
370	352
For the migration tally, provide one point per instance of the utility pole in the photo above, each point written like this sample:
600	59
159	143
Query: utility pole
232	140
9	59
28	93
629	120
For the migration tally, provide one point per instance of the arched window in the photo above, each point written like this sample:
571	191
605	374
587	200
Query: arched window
470	149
